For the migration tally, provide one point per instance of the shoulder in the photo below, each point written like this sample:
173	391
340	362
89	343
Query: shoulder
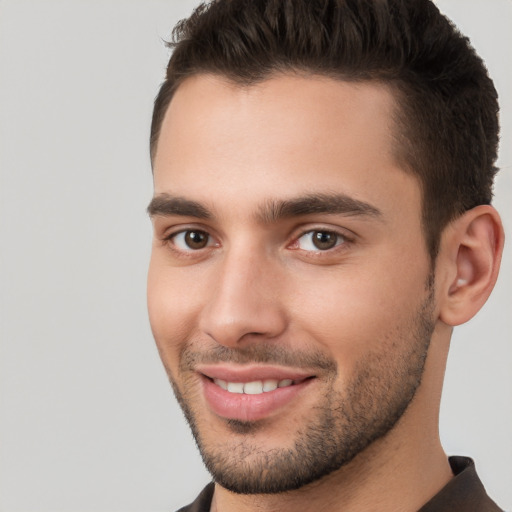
464	492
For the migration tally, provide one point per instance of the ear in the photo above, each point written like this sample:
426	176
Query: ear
469	261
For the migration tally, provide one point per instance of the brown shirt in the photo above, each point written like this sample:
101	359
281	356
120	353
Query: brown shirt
463	493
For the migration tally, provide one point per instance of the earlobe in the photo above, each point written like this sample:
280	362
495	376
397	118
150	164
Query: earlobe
472	254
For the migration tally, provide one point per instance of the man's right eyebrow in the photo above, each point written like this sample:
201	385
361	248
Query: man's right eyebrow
166	204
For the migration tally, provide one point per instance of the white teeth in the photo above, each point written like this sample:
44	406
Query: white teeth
236	387
253	388
221	383
270	385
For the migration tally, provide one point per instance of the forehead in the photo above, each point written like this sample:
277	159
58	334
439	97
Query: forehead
285	136
309	106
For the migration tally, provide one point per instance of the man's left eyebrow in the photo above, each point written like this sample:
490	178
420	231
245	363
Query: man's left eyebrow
312	204
166	204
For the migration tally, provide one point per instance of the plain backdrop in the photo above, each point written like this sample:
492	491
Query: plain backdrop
88	422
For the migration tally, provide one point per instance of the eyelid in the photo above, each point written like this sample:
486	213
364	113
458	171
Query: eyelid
170	231
180	242
347	236
170	234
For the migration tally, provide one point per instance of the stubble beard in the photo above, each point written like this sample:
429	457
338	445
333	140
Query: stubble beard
344	425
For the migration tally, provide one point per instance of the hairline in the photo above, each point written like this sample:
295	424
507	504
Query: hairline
391	83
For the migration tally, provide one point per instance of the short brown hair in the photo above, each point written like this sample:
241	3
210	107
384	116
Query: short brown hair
447	123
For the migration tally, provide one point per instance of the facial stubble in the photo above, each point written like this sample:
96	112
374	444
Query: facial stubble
341	426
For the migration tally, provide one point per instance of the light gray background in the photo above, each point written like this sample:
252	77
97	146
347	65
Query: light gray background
87	418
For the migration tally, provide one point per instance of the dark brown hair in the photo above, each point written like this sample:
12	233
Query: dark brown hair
447	123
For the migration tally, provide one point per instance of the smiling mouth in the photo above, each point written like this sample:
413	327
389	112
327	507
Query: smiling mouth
252	393
256	387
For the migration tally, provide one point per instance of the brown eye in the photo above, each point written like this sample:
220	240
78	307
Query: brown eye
319	240
323	240
196	239
191	240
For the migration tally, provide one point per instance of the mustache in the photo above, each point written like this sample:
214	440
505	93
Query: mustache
266	353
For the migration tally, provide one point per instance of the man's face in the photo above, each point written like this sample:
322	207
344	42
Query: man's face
289	267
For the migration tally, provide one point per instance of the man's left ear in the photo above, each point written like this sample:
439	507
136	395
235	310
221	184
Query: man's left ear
468	261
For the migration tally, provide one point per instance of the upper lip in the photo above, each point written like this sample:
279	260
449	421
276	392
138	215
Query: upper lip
251	373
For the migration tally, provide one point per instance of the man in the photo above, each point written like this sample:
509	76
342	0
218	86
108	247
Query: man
323	173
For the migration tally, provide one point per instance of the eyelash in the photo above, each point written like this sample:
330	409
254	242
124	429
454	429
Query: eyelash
171	237
342	240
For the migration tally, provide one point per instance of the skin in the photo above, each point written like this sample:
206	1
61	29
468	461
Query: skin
260	287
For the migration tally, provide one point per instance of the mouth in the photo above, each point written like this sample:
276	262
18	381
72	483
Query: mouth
255	387
251	393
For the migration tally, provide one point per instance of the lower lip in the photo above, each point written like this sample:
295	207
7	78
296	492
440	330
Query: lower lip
242	407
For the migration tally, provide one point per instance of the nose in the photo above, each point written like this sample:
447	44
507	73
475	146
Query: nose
245	304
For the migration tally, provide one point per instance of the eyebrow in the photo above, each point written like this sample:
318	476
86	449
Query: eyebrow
273	210
166	204
312	204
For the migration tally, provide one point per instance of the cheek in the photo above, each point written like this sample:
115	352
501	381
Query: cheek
354	313
171	307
